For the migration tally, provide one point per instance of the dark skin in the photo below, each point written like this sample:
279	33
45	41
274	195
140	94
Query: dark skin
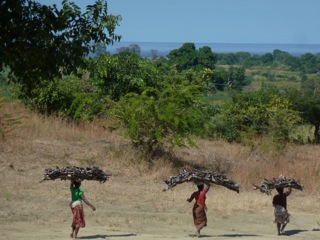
75	230
280	227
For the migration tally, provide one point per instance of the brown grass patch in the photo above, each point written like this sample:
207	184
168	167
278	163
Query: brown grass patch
58	142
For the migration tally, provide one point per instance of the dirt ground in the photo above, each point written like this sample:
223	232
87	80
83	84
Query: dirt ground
131	209
132	204
112	221
237	227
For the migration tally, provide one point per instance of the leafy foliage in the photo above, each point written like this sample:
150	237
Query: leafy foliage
88	105
307	101
309	63
306	63
171	115
42	42
233	78
55	96
120	74
187	57
257	113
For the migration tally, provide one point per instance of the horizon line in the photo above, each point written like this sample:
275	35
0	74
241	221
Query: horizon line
220	43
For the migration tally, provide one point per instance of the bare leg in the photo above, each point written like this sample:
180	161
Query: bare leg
278	228
283	226
198	231
75	233
71	235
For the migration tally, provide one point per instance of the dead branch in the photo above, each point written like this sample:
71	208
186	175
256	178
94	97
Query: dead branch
266	186
76	173
187	176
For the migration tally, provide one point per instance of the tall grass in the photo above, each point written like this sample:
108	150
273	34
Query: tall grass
58	141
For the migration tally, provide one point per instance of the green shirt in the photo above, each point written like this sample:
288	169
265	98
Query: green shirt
76	193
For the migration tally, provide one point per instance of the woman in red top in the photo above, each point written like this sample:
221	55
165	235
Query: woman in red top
199	207
280	209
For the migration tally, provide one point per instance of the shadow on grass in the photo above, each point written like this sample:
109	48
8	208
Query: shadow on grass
99	236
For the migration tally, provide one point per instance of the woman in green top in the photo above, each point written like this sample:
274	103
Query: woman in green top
77	209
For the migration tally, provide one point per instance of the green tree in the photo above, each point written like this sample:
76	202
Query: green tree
281	118
188	57
309	63
255	60
307	101
236	78
206	76
57	96
123	73
285	58
228	59
169	114
280	56
267	59
256	113
243	57
219	79
42	42
206	58
185	57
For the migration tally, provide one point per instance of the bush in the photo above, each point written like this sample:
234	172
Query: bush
171	115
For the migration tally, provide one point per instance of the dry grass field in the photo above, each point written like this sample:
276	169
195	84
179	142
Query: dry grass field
132	204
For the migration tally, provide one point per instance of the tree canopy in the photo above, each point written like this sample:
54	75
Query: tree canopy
41	42
307	101
187	56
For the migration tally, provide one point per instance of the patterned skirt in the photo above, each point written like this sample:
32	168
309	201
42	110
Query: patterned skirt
78	217
281	215
199	216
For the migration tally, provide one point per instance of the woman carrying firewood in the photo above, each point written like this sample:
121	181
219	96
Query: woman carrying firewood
77	196
199	207
280	209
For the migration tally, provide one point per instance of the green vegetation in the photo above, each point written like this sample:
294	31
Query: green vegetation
307	101
167	114
188	57
40	42
158	103
254	114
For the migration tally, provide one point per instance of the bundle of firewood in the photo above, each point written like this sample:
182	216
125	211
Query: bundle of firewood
196	175
281	182
75	174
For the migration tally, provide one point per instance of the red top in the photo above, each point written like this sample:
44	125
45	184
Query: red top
281	199
200	197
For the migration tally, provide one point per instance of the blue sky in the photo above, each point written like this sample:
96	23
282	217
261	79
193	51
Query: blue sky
215	21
